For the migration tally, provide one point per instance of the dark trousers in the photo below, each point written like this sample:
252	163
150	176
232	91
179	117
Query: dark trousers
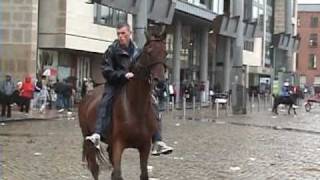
25	104
66	102
6	106
158	108
104	112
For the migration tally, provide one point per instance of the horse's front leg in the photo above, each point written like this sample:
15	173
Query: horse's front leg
117	150
144	156
289	109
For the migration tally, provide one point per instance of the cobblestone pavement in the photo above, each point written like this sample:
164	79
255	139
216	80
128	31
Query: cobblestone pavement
206	148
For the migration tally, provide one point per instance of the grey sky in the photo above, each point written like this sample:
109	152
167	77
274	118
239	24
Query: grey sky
309	1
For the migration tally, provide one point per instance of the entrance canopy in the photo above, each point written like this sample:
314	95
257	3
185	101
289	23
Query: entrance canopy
158	10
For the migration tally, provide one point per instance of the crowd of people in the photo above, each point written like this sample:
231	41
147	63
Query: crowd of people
39	94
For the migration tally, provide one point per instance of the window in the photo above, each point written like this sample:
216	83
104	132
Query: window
313	40
108	16
255	12
248	46
314	22
312	61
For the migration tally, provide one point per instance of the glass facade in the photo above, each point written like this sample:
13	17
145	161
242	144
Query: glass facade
213	5
108	16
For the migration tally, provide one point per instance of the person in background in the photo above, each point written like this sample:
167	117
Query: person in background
90	85
37	89
26	93
7	88
158	95
43	95
285	89
66	93
58	88
84	87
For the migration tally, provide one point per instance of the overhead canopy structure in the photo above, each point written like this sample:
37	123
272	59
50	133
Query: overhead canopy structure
286	41
229	27
160	11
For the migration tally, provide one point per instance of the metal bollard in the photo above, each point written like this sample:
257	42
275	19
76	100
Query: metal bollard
172	101
184	107
252	102
259	102
264	101
168	104
217	109
193	103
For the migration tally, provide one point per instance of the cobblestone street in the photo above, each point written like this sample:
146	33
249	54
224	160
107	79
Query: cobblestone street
255	146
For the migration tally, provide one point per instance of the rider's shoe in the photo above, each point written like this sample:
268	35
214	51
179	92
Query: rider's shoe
94	139
160	147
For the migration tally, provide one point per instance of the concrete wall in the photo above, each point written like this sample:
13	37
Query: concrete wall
254	58
18	37
52	23
279	16
70	24
81	32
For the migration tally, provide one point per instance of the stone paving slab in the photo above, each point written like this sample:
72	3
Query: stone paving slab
204	150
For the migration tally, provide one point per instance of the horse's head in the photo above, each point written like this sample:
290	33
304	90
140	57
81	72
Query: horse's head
154	55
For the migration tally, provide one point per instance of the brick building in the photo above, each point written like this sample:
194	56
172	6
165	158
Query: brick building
309	51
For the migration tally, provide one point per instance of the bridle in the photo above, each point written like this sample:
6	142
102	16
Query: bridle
144	71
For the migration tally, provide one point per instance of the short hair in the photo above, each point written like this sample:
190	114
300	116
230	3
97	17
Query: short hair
121	25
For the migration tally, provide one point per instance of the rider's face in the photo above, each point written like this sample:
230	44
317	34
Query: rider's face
124	34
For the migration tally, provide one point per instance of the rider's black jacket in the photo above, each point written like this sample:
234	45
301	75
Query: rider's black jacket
116	62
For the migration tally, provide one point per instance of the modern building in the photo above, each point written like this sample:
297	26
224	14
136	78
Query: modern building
308	66
285	42
73	36
70	36
18	37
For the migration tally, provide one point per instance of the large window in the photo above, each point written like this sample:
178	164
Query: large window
312	61
313	40
108	16
314	22
248	46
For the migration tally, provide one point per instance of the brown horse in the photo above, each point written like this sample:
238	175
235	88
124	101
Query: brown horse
133	118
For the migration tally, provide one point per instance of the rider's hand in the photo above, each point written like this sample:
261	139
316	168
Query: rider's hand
129	75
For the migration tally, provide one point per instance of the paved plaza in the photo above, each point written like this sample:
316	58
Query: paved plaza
254	146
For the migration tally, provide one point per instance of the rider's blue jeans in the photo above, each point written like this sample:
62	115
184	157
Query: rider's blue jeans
104	112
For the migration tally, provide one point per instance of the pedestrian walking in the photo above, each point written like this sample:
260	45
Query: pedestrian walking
7	88
43	95
26	94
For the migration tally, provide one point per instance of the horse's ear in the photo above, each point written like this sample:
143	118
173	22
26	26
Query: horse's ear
163	33
147	35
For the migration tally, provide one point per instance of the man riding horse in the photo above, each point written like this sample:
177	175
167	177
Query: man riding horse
115	70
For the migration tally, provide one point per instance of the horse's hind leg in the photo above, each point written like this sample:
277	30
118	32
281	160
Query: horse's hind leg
144	156
117	150
90	154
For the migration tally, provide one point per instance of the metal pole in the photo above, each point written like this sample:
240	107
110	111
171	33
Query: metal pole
217	109
194	103
184	108
140	22
252	102
238	83
259	102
